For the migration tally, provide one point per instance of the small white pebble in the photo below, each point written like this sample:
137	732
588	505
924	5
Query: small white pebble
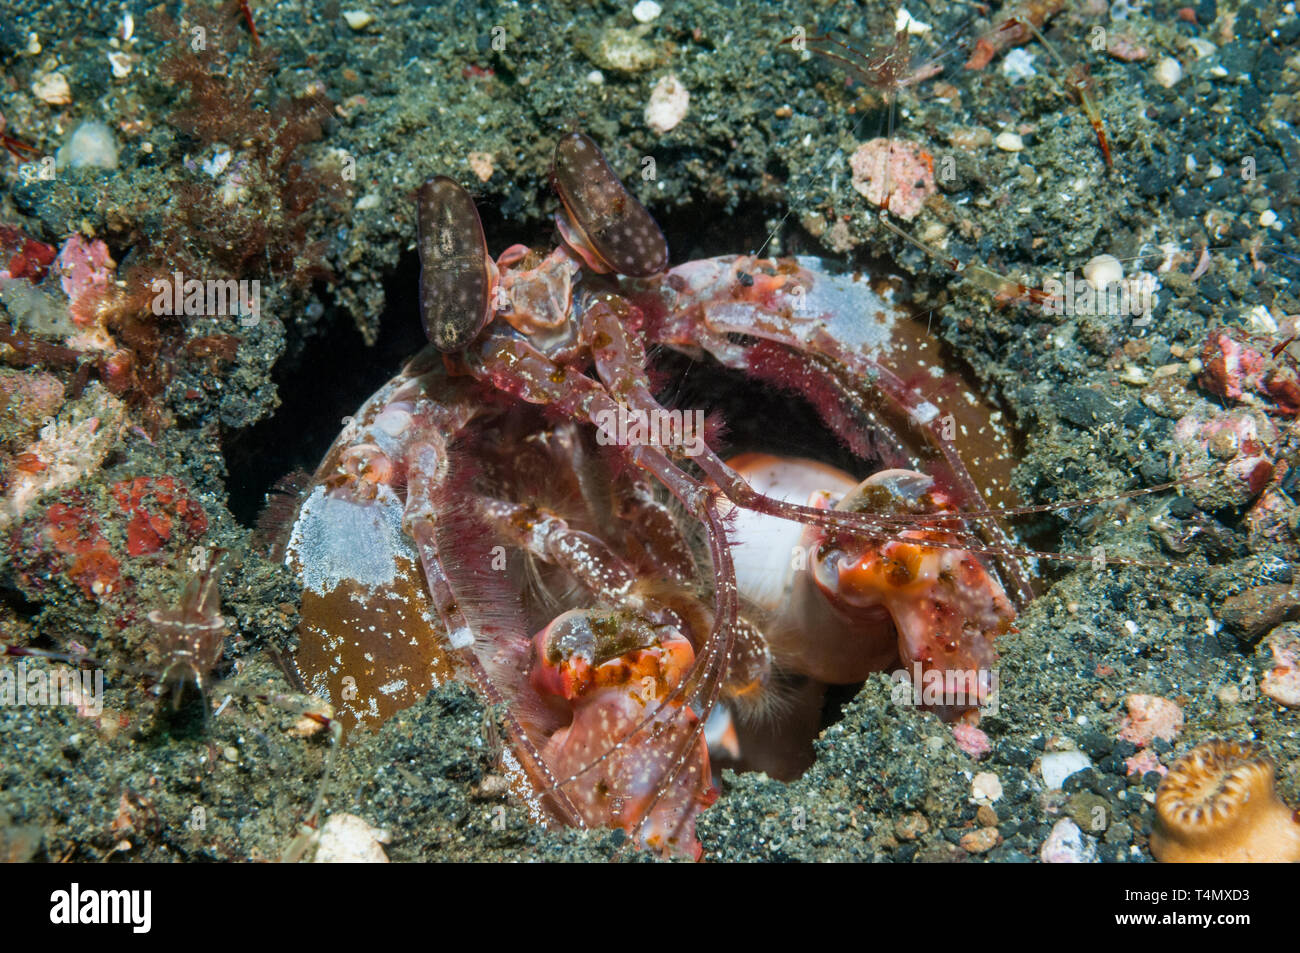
1102	271
52	88
1268	218
347	839
596	78
367	201
1133	375
1131	626
1261	320
358	19
1067	845
669	100
905	21
119	64
1059	765
92	145
1203	48
1018	64
986	787
646	11
1168	72
1009	142
217	164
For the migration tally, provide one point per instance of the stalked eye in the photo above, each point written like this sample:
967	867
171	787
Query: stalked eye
617	228
456	272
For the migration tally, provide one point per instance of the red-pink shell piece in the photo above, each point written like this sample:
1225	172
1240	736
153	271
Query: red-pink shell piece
455	268
616	226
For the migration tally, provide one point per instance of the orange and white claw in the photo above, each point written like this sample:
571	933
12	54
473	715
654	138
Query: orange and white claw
806	632
840	610
614	672
948	608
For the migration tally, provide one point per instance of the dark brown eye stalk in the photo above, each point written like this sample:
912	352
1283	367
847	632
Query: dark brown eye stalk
456	272
603	221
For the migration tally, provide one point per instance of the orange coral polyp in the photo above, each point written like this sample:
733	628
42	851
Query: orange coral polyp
1218	804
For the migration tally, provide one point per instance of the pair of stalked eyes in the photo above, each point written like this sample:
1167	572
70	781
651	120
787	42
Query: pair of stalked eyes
457	274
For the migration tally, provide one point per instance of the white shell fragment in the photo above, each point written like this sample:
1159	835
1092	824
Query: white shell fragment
646	11
1059	765
1168	72
347	839
1102	271
52	88
358	19
669	100
1067	845
1009	142
905	21
986	787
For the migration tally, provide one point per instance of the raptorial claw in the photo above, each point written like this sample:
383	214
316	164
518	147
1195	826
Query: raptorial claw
605	223
946	607
616	674
456	273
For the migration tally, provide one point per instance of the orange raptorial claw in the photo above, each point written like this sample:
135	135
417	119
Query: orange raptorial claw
605	223
617	674
946	606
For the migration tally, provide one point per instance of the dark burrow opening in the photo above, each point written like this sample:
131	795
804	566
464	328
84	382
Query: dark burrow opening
327	376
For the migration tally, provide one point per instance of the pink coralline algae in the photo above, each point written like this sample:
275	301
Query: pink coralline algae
1238	367
1143	762
23	257
908	175
971	740
1126	49
1282	682
74	538
157	507
1151	717
86	274
1244	437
